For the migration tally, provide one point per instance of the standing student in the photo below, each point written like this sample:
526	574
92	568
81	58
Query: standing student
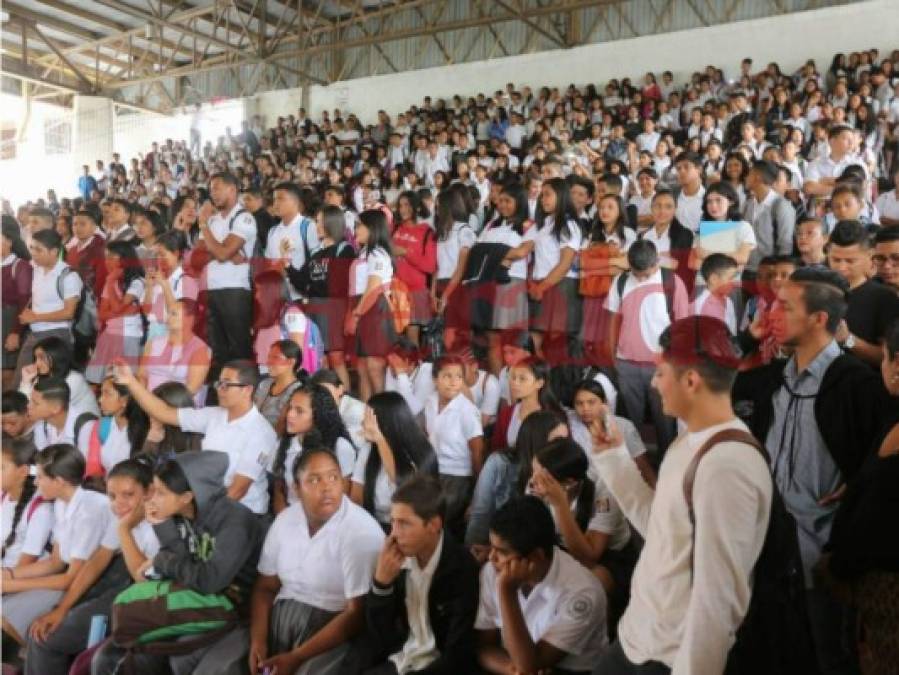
118	221
208	544
371	320
689	594
673	241
455	237
59	635
53	358
123	325
420	611
688	167
323	281
17	273
80	518
166	282
311	421
509	300
453	424
227	235
234	427
27	516
316	566
555	307
539	608
721	203
772	217
293	240
415	252
810	242
718	272
55	292
148	226
285	365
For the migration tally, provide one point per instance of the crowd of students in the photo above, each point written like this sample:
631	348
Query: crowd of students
430	395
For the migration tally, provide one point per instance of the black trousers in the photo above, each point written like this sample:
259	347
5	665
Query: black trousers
614	662
230	323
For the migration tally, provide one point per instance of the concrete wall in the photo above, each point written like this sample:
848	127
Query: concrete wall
789	39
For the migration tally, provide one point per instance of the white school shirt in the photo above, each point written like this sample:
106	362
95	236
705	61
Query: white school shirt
826	167
486	393
420	648
46	434
45	293
126	325
343	449
327	569
548	249
415	387
249	441
662	241
144	536
384	487
376	263
503	233
450	430
689	209
293	233
686	604
117	447
352	412
606	516
567	610
79	526
183	286
643	204
222	275
81	396
888	205
448	250
32	533
716	307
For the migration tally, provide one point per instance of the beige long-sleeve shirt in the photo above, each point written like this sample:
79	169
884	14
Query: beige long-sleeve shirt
688	621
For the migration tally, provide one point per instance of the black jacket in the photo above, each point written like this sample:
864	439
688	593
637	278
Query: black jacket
851	407
452	608
484	264
326	274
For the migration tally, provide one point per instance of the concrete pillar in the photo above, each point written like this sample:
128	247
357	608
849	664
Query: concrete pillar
92	131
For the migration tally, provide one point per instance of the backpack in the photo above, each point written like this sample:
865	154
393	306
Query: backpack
153	617
84	322
774	637
99	434
668	288
399	298
313	344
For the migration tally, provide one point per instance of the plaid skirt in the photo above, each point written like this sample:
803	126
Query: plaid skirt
559	311
329	315
457	314
510	305
422	312
375	334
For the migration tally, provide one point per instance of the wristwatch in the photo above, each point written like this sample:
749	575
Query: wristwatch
849	343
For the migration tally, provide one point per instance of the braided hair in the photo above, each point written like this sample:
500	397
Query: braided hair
21	453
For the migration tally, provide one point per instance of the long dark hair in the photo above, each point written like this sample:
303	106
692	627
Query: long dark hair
378	231
563	211
532	436
540	370
598	231
517	193
174	439
12	232
451	209
565	460
419	210
21	453
138	421
327	426
412	451
727	191
132	269
58	353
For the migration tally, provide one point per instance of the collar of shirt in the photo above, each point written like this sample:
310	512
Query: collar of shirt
296	221
815	370
769	199
68	509
9	260
411	563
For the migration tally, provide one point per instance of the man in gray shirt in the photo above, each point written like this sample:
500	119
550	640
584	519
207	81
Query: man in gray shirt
772	217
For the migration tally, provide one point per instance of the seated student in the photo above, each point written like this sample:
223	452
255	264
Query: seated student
516	345
15	420
60	634
312	421
234	427
409	375
54	419
80	518
316	566
119	434
502	477
401	449
589	520
811	239
53	356
208	543
352	410
285	365
164	441
453	424
420	612
27	517
539	609
530	390
718	273
480	387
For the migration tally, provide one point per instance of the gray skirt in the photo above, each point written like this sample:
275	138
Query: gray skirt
21	609
510	305
292	623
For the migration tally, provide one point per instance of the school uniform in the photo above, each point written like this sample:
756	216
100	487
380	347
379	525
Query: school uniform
249	441
46	434
293	320
559	311
888	204
122	336
78	527
319	574
486	393
567	609
352	412
183	287
689	209
461	237
166	362
81	396
383	488
510	300
375	332
45	298
299	248
343	450
415	387
114	444
715	306
32	531
16	275
449	430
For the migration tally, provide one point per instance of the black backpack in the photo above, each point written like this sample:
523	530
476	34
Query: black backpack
774	638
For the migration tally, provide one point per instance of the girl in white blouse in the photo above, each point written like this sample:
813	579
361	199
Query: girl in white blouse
27	518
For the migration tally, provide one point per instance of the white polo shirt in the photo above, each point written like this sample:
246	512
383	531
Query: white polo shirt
448	250
826	167
662	241
46	434
249	441
144	536
450	430
548	249
32	532
327	569
689	209
567	610
182	285
126	325
888	205
346	457
222	275
45	293
292	232
79	526
376	263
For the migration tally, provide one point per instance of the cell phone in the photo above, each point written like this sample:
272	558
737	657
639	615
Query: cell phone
606	422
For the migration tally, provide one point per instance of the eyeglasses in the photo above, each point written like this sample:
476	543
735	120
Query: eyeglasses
893	259
224	384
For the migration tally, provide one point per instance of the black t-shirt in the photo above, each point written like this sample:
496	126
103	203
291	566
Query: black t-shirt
872	308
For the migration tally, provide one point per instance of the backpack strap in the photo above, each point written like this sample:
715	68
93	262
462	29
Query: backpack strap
304	232
32	507
668	288
80	421
619	284
234	217
60	280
